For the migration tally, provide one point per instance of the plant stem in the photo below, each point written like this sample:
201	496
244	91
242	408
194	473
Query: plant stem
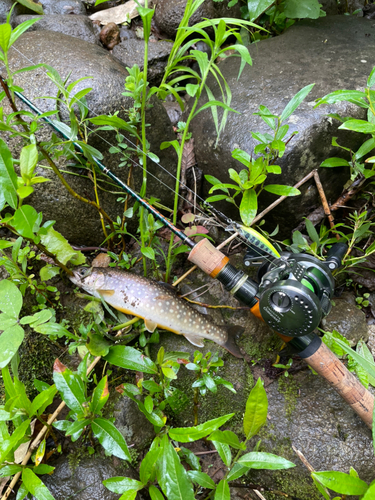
144	146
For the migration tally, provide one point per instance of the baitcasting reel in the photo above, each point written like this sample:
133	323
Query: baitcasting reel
295	290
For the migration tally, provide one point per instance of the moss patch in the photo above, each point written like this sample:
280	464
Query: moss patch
289	388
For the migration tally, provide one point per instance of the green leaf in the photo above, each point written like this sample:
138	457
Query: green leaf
362	126
281	190
10	341
76	428
43	400
35	485
59	246
227	437
24	220
224	452
7	444
370	493
335	162
148	252
222	491
371	78
257	7
366	147
249	206
10	470
7	321
192	89
364	351
295	102
341	482
311	231
43	469
171	475
256	410
354	96
369	367
70	386
25	191
97	345
47	272
295	9
99	396
155	493
147	470
190	434
259	460
175	144
202	479
131	359
242	156
36	7
237	471
110	438
28	161
121	484
8	178
210	104
5	32
10	298
115	122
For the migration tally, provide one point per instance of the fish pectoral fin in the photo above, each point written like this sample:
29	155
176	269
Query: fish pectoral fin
105	292
193	339
150	325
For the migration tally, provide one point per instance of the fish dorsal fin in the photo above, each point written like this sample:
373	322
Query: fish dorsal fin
150	325
193	339
105	292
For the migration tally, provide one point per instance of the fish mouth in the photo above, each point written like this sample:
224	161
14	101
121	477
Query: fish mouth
79	274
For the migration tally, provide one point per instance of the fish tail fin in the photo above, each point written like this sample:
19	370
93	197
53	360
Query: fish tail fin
230	345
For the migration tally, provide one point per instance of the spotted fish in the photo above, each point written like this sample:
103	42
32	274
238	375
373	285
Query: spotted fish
156	304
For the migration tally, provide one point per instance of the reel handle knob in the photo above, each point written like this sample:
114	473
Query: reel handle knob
335	255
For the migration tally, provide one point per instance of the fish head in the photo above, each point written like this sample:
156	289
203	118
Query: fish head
90	279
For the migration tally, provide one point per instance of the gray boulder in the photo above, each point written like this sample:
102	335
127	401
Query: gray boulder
80	476
63	7
77	26
79	222
335	53
168	13
130	52
347	319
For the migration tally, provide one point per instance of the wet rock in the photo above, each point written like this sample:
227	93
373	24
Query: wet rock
81	478
91	7
330	7
77	26
174	111
305	412
126	33
371	339
364	274
169	13
347	319
76	220
330	44
131	52
132	424
6	5
110	35
63	7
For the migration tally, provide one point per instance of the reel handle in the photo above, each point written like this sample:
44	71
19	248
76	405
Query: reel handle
335	255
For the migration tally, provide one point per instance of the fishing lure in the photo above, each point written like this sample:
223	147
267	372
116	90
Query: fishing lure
156	304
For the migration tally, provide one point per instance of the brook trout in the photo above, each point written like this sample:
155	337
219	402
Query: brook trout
155	304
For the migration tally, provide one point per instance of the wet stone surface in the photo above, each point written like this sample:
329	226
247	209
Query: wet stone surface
78	26
341	47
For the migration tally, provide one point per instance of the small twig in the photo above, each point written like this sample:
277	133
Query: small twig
205	452
193	291
259	494
323	198
210	306
303	459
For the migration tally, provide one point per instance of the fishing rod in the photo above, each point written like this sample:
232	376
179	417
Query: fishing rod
292	295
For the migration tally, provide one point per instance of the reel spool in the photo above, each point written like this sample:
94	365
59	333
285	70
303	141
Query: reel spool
295	291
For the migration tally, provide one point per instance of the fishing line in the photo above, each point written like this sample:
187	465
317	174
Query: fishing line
229	221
